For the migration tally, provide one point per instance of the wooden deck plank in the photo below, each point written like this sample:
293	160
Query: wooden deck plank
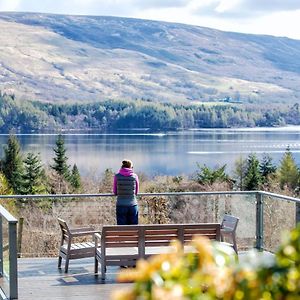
39	278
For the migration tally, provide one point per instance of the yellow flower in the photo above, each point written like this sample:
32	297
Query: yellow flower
126	294
176	293
204	248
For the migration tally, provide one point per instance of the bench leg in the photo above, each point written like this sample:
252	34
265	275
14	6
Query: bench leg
67	265
103	270
96	265
59	262
234	244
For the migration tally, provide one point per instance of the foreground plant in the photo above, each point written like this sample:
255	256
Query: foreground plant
211	271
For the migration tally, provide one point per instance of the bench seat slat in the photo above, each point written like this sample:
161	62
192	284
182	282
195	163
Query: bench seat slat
159	250
79	246
120	245
120	251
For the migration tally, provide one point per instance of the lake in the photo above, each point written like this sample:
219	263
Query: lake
171	153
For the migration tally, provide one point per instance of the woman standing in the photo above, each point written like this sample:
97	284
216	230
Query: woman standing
126	187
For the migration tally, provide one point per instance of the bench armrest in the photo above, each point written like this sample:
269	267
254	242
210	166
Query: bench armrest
83	231
226	230
97	238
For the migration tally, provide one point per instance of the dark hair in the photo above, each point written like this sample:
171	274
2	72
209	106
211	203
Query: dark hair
126	163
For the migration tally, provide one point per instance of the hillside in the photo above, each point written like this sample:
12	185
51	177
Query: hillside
86	58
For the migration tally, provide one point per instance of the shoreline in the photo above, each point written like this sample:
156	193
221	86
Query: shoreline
148	132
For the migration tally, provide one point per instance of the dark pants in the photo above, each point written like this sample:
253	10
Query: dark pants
127	215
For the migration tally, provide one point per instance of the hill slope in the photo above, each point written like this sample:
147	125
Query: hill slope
84	58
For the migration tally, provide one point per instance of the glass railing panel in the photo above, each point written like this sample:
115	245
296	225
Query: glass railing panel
41	233
5	257
8	255
279	218
180	209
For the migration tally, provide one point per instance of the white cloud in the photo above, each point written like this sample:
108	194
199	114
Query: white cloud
275	17
242	8
9	5
227	5
154	4
276	23
271	5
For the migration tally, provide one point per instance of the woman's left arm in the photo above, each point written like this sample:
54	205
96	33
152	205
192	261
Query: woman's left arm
115	189
136	184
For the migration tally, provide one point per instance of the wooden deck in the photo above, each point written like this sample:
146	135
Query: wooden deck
39	278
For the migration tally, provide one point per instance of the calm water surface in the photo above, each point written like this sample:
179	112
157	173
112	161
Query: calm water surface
168	153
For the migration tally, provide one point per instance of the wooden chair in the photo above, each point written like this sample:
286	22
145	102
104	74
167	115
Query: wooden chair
228	230
69	249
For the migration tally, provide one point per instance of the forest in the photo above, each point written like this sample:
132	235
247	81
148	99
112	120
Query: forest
32	116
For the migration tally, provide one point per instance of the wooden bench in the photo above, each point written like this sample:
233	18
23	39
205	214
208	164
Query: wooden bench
123	245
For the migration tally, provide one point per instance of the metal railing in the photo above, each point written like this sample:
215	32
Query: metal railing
8	255
251	206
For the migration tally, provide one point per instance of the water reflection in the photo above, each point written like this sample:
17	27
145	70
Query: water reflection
164	153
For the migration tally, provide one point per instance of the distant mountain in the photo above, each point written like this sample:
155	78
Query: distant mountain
49	57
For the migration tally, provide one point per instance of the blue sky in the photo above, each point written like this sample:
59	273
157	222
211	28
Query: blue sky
275	17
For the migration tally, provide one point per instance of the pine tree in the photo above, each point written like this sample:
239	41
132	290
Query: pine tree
4	186
288	172
75	179
60	160
253	178
240	172
266	168
12	163
33	175
206	175
107	179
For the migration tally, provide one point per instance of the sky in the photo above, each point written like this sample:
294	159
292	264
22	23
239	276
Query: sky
274	17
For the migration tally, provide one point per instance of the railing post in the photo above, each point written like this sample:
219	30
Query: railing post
13	269
297	212
20	235
1	247
259	222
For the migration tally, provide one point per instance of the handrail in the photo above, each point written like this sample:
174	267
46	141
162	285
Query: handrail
282	197
7	215
41	196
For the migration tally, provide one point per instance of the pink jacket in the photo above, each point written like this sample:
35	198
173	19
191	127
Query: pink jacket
126	172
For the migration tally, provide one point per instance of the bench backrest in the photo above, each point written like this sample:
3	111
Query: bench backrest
120	236
209	230
161	235
156	235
